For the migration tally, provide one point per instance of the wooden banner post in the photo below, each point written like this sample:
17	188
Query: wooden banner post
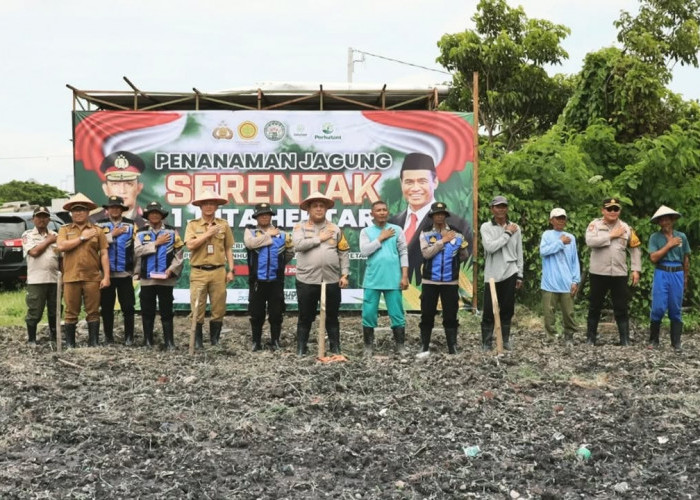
496	317
59	334
322	324
195	312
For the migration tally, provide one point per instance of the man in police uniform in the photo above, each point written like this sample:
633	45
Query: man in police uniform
322	257
269	249
84	248
609	240
122	171
39	245
209	240
159	257
119	232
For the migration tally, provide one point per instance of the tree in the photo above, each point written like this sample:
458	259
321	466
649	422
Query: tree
36	194
517	98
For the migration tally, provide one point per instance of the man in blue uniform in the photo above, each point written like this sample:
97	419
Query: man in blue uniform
269	249
119	232
386	271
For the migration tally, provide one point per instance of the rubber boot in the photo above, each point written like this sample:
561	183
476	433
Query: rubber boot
592	331
334	339
302	340
676	331
69	331
148	324
425	334
198	336
654	330
168	334
275	332
451	337
52	328
128	329
93	333
486	337
368	337
31	333
505	335
257	336
399	339
108	328
215	331
623	326
128	334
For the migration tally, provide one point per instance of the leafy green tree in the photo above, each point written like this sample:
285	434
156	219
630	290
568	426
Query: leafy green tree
517	98
37	194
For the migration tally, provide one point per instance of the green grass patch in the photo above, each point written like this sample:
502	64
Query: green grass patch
13	308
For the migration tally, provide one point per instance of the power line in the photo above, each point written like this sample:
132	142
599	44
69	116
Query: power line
33	157
402	62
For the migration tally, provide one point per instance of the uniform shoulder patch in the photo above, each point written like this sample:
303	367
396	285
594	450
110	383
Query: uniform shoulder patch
343	244
634	239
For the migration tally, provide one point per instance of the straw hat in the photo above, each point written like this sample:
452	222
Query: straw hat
315	196
664	210
79	200
209	195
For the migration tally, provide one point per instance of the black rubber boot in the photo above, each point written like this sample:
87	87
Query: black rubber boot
623	326
654	330
52	328
399	339
108	327
128	336
592	331
486	337
93	333
257	336
425	334
334	340
275	332
676	331
215	331
505	335
69	331
198	336
302	340
451	337
128	329
31	333
168	334
368	338
148	324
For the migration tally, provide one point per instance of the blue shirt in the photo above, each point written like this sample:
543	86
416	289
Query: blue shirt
560	266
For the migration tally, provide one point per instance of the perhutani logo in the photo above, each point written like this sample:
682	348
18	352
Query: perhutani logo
248	130
275	130
328	135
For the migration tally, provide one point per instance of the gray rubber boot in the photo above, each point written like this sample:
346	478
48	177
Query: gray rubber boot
400	339
368	337
31	333
451	337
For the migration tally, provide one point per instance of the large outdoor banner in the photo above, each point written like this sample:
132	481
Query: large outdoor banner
279	157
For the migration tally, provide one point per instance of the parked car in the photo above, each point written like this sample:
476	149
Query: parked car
13	265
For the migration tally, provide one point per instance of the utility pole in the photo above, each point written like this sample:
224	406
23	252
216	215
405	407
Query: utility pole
351	64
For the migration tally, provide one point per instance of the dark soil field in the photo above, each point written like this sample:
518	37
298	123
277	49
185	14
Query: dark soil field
128	422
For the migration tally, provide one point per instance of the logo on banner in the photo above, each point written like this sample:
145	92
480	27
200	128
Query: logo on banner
275	130
300	131
222	132
248	130
327	128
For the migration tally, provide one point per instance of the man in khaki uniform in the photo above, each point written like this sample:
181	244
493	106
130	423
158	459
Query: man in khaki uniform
39	244
609	239
84	248
209	241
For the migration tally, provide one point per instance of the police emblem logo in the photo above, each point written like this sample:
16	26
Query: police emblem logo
275	130
222	132
247	130
121	162
432	239
147	237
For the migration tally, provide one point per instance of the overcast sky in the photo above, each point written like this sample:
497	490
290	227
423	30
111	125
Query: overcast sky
215	45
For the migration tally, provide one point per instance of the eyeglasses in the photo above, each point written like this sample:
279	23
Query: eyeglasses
612	209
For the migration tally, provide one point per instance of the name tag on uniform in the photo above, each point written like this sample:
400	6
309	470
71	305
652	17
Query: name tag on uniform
210	249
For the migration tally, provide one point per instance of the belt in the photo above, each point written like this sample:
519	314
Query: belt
670	269
208	267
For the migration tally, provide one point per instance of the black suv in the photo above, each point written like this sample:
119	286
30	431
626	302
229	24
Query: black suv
13	265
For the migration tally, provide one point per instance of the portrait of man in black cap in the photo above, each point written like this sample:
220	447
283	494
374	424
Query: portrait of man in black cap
418	184
122	171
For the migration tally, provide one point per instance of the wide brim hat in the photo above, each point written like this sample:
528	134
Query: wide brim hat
209	195
315	196
115	201
79	200
664	210
262	209
154	206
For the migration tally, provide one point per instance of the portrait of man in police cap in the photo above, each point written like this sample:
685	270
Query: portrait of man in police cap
122	172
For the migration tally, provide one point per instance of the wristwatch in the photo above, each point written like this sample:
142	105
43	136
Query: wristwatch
82	238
